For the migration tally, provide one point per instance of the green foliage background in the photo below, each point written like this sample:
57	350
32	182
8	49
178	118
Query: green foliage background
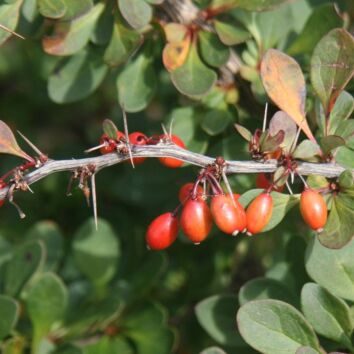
68	289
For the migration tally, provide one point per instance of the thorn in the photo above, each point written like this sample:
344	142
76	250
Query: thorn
170	130
34	147
303	180
11	31
94	199
70	184
30	189
265	117
288	186
292	177
94	148
10	194
228	187
125	121
165	130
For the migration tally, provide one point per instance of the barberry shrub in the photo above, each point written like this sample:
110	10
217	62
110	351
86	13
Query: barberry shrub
218	258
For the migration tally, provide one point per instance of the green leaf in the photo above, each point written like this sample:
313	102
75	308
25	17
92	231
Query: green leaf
49	233
52	8
75	9
185	121
341	111
250	5
332	66
328	314
274	327
146	326
14	345
9	310
215	315
346	180
346	131
77	77
322	20
216	119
46	305
102	32
345	157
68	349
306	150
331	268
110	129
9	16
137	83
25	261
331	142
244	132
123	43
213	350
214	52
282	203
231	34
107	345
264	288
193	78
96	252
136	12
306	350
339	228
265	28
71	36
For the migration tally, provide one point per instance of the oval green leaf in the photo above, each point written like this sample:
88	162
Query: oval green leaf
274	327
328	314
9	310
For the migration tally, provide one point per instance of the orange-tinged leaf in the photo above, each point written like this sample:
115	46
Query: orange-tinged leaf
285	85
8	143
175	53
175	32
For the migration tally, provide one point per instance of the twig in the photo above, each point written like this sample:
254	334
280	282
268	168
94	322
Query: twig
232	167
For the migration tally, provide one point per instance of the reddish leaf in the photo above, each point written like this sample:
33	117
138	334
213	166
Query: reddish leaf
285	85
8	143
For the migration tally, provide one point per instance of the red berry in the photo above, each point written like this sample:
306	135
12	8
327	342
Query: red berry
185	192
313	209
2	202
162	231
264	182
111	144
229	215
168	161
138	138
259	213
196	220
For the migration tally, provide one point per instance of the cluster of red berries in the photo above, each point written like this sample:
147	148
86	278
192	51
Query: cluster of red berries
226	211
197	217
108	145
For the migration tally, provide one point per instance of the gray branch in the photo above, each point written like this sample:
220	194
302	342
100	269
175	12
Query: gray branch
232	167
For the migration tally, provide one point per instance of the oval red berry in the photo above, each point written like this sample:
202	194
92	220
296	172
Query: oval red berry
196	220
259	213
162	232
313	209
228	214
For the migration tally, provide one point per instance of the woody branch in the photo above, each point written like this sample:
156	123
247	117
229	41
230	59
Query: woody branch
232	167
